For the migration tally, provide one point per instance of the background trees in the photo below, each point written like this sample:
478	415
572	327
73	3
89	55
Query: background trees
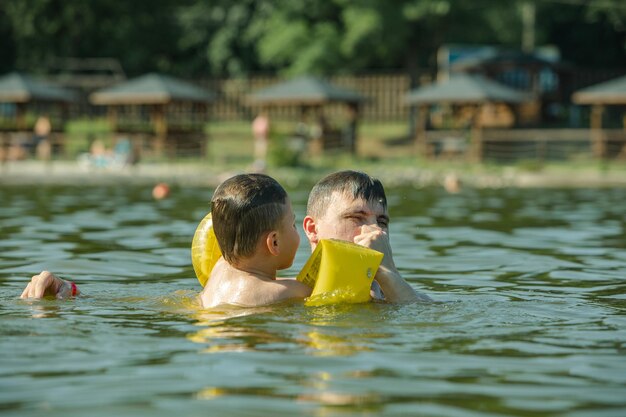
225	38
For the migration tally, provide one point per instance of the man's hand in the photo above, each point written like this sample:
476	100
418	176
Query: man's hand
394	287
47	284
374	237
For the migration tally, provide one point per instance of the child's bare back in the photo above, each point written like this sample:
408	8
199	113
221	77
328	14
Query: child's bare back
228	285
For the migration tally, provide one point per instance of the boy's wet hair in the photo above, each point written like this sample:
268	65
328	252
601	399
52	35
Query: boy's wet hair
243	208
355	184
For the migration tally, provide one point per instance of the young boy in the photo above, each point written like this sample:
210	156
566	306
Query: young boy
255	228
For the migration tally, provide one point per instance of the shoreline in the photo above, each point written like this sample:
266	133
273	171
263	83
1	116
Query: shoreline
391	174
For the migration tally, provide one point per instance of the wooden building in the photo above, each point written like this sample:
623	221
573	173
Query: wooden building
170	113
471	100
311	94
606	143
25	100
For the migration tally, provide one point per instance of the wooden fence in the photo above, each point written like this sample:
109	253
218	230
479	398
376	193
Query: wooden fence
384	97
509	145
497	145
384	93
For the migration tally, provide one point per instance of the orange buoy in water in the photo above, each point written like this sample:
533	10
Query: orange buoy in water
160	191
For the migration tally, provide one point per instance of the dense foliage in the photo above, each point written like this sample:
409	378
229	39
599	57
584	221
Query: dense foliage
225	37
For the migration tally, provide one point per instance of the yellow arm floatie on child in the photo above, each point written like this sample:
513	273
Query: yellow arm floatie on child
340	272
205	251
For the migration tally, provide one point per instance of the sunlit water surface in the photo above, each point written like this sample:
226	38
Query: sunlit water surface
529	320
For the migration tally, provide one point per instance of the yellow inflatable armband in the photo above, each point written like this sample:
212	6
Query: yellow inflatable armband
205	250
340	272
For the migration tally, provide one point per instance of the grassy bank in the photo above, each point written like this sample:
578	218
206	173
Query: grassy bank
232	141
384	151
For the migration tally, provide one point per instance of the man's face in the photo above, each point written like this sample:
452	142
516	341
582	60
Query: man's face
344	217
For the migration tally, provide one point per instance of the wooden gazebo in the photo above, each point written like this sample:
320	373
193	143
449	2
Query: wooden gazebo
170	110
27	93
28	96
546	80
311	94
469	91
598	96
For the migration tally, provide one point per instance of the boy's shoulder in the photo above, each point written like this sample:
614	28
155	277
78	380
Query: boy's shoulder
224	286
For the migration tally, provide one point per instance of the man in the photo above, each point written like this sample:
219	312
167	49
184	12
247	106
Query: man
347	205
352	206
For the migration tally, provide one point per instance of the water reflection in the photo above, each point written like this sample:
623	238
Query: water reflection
315	332
222	332
43	309
267	329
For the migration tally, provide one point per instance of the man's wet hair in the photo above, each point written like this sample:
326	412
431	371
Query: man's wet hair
243	208
355	184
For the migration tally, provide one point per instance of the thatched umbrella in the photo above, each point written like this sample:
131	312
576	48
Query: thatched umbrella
151	89
305	91
310	93
464	89
157	91
608	92
612	92
21	89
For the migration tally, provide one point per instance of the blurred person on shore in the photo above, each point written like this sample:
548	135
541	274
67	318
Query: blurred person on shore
260	133
41	146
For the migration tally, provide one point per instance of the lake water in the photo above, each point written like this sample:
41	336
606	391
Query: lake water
530	318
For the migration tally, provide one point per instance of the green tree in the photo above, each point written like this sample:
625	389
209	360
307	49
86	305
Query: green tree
589	34
141	34
216	37
348	36
225	37
7	43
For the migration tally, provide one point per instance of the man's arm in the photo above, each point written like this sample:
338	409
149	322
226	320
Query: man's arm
395	288
48	284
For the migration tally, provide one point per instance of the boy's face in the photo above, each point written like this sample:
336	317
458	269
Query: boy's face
344	217
289	237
